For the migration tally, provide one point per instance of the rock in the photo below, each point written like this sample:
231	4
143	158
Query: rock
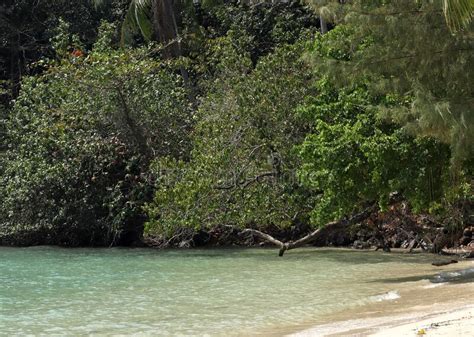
465	240
467	232
185	244
443	263
358	244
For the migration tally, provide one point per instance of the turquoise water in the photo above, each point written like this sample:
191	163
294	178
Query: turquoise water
55	291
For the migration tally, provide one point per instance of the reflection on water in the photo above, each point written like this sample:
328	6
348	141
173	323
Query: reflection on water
45	290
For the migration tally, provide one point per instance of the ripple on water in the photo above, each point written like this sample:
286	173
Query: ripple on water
139	291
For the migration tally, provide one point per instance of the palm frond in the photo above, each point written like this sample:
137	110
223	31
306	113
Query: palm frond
137	19
458	13
98	3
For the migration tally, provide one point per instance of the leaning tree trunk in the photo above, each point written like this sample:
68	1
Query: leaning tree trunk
284	246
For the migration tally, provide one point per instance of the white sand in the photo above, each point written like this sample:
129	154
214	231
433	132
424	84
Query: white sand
427	309
422	308
457	322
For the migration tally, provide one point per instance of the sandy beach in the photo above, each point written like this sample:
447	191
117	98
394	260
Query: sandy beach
446	323
427	309
459	322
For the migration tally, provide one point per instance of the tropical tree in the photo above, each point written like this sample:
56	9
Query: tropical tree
26	27
242	169
408	51
154	20
79	140
458	13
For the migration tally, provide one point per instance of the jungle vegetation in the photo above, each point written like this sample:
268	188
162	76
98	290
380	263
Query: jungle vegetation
123	120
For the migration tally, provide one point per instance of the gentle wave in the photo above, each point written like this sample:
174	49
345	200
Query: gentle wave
389	296
433	285
198	292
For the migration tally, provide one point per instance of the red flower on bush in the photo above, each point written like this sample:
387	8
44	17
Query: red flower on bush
77	53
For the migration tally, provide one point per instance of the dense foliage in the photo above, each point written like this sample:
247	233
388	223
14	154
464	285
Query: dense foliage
243	166
80	137
354	157
227	114
406	49
26	28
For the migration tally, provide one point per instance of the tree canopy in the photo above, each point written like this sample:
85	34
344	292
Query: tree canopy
125	120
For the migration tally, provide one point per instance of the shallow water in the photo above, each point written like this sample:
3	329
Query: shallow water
55	291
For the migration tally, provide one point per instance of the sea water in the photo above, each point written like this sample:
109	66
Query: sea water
215	292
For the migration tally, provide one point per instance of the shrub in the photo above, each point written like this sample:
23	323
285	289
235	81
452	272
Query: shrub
80	139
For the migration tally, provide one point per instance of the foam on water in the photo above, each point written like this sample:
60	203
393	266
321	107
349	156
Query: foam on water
433	285
388	296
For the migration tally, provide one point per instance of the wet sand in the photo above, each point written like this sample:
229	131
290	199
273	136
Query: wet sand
420	307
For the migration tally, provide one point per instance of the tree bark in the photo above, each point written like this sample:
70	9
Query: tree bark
165	30
15	65
134	129
165	27
324	25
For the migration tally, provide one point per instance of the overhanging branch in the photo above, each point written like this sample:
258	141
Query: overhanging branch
284	246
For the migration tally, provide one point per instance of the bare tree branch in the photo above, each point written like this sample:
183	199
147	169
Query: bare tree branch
284	246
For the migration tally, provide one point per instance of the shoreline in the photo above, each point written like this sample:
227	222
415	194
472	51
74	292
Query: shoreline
429	309
458	322
343	290
448	322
